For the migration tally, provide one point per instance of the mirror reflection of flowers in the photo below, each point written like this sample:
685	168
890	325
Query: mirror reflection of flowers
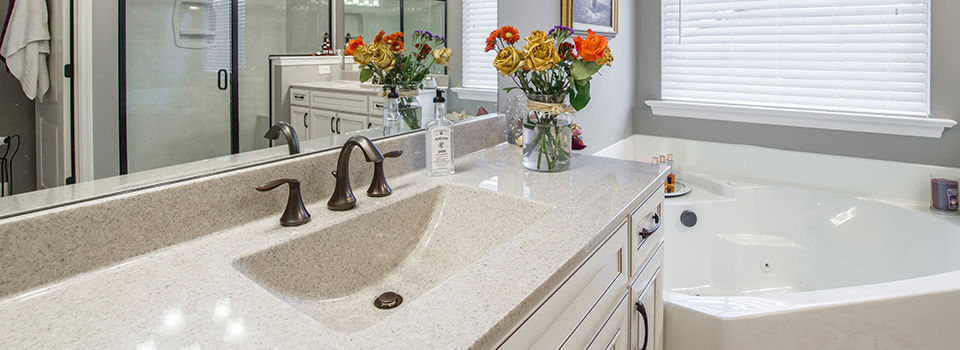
388	61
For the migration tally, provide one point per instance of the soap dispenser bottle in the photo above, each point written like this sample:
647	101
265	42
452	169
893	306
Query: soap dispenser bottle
391	110
439	140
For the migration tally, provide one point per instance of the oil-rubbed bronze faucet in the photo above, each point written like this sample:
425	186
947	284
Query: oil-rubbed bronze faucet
293	144
379	186
343	198
295	213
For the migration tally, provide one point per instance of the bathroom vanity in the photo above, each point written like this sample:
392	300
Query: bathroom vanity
492	257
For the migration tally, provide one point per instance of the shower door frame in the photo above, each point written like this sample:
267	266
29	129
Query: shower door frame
233	81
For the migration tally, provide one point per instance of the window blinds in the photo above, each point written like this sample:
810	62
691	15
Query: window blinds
861	56
479	19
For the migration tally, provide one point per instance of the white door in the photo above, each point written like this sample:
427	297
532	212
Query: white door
53	114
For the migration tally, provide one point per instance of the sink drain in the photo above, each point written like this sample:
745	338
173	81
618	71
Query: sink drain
388	300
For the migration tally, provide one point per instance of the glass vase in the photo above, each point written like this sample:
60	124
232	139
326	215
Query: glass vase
409	107
547	138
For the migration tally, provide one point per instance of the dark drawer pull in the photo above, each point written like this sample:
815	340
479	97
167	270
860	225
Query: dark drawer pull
646	327
645	233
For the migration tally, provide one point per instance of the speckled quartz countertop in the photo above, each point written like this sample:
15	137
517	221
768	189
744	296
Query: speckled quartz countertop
192	295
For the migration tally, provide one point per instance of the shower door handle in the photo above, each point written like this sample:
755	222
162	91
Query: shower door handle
645	233
222	79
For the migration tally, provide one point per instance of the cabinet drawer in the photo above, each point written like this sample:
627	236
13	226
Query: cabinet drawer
375	106
647	295
299	97
340	102
577	309
615	333
645	221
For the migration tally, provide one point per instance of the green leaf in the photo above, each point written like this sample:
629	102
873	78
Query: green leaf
365	74
583	70
580	94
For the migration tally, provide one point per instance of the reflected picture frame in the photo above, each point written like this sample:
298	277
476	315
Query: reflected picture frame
599	15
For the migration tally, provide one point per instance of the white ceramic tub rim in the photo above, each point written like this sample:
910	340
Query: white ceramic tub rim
864	177
780	303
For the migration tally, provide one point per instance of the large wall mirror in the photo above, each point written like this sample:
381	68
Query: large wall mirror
158	91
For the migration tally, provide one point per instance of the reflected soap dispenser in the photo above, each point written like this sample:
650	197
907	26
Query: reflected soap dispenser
439	139
391	110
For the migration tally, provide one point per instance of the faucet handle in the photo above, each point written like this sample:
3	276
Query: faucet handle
379	186
295	214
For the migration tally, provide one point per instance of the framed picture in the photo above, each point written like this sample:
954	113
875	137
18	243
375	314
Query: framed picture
599	15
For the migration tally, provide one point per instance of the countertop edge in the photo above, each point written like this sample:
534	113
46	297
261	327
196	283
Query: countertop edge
502	330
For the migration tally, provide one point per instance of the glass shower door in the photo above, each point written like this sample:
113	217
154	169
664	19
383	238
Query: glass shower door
178	65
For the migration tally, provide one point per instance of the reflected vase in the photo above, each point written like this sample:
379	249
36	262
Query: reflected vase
547	135
408	105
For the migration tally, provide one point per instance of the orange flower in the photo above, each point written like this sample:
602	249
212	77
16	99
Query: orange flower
353	45
509	34
492	40
378	38
592	48
395	41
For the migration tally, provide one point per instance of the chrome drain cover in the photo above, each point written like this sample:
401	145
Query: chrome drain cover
388	300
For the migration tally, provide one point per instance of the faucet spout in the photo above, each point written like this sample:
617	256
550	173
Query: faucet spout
343	198
293	144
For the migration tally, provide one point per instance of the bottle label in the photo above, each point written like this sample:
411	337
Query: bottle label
442	150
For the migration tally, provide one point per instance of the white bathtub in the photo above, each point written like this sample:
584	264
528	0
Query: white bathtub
778	266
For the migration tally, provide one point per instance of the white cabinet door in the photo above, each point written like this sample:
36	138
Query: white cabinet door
299	117
321	123
350	123
647	315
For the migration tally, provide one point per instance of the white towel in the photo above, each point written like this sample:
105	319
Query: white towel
27	45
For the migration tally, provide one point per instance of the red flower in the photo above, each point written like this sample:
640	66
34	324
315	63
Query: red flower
592	48
353	45
566	51
378	38
509	34
395	41
492	40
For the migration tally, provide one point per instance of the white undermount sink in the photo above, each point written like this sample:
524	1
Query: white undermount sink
407	247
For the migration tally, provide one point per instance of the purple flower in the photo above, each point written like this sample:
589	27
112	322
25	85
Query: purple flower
560	31
428	35
440	39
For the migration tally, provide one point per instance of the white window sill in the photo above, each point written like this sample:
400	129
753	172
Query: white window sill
474	94
879	124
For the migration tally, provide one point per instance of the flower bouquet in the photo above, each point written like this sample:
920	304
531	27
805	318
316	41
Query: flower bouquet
387	62
550	70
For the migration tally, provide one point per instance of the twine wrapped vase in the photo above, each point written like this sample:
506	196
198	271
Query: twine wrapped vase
547	134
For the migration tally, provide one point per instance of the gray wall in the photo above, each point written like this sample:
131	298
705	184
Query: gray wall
18	118
945	101
607	119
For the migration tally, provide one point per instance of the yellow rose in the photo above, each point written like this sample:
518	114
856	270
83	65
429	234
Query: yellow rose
607	57
542	56
536	38
442	56
362	55
383	57
508	61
